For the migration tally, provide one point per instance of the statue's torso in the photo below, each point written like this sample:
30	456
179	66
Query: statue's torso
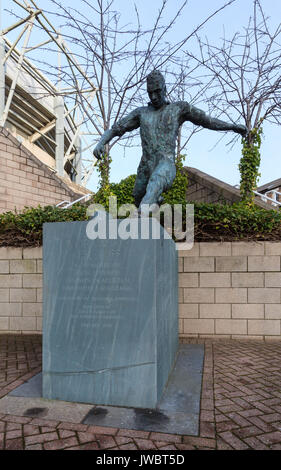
159	129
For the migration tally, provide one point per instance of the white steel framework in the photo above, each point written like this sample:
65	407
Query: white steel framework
34	106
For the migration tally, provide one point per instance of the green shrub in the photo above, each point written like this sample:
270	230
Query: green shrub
25	227
212	222
237	221
124	190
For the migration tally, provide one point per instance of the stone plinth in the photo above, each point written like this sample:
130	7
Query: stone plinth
110	316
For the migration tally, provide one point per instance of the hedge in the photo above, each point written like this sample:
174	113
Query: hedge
213	222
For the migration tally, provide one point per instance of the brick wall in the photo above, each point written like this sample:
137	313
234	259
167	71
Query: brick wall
25	180
205	188
230	290
227	290
20	290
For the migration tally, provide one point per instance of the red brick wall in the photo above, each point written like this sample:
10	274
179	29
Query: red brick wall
24	180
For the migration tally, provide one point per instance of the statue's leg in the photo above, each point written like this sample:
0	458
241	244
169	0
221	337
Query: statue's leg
140	185
160	180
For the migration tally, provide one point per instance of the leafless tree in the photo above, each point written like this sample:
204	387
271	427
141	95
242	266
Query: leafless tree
244	78
117	57
244	72
185	85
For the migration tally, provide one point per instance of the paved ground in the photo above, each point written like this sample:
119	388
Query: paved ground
240	404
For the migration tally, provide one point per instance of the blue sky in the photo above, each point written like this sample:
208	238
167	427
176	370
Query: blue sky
202	151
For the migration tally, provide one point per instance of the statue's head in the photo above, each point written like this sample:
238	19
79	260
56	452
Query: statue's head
156	89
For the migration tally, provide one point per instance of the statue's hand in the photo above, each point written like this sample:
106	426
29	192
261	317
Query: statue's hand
240	129
99	151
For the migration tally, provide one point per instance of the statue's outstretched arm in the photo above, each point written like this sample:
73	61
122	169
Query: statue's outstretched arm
200	118
127	124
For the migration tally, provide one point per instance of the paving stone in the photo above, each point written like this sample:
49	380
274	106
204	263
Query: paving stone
251	412
238	419
233	441
165	437
248	431
102	430
14	444
275	447
45	429
207	416
166	447
105	442
207	404
207	429
185	447
256	444
60	443
277	426
200	442
146	444
222	445
257	421
121	440
63	433
236	373
45	422
271	418
14	434
45	437
86	437
263	408
133	433
226	426
88	446
128	447
73	427
271	438
34	447
16	419
29	430
12	426
2	440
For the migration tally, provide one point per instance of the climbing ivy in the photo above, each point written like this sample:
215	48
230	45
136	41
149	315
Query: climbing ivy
104	186
249	165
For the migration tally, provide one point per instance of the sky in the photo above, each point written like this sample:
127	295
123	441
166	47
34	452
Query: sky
205	150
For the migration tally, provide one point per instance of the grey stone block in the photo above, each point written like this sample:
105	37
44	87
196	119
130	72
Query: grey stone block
177	411
110	316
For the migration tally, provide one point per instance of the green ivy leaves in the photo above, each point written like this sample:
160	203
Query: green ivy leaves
249	165
237	221
25	228
124	190
211	221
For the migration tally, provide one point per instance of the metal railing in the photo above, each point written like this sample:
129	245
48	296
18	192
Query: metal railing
265	198
69	203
